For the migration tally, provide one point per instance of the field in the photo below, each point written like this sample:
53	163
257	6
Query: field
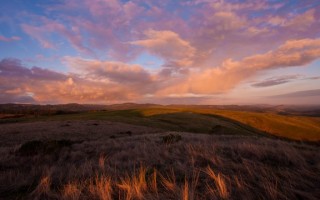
159	152
204	120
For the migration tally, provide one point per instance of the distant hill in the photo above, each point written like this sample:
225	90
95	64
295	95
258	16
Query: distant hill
294	122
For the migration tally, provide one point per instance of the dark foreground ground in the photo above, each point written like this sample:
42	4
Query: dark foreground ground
99	159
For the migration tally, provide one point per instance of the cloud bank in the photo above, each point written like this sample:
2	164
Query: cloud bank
207	48
20	84
104	81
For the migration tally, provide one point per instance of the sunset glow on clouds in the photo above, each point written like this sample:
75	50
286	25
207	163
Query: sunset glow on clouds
185	52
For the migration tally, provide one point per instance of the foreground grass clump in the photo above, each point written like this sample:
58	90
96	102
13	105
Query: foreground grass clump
158	165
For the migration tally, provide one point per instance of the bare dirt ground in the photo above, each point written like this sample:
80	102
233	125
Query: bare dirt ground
94	159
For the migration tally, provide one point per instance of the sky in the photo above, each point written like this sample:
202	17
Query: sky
165	52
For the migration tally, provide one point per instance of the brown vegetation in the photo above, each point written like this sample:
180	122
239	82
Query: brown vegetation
149	164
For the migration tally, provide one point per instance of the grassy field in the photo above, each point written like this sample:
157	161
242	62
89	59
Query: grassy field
103	160
293	127
159	152
213	121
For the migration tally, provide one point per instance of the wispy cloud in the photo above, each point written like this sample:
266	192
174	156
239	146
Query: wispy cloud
313	78
276	80
9	39
304	93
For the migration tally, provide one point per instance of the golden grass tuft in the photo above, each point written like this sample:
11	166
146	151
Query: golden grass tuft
169	182
71	191
43	189
220	184
153	182
101	188
135	186
185	190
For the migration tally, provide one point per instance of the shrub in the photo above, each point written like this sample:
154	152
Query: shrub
171	138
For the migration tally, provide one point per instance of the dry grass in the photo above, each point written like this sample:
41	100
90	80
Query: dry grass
134	187
219	182
199	166
71	191
101	187
169	182
153	182
293	127
185	190
43	189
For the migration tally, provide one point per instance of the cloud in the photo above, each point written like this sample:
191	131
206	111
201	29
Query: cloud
43	33
114	71
304	93
276	81
110	81
98	26
292	53
313	78
203	32
298	22
9	39
169	46
13	68
39	34
21	84
231	73
207	47
8	98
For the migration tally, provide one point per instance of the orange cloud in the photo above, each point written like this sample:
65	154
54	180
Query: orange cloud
109	71
231	73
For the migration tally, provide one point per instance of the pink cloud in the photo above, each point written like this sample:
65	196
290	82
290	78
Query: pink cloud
20	84
169	46
44	32
301	21
207	47
221	29
9	39
39	34
111	71
216	29
95	81
232	73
